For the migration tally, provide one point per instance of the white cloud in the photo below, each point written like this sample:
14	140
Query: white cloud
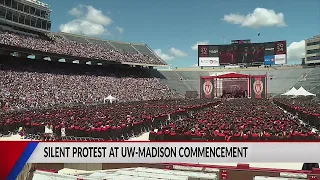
163	56
88	21
75	12
171	55
296	51
194	65
120	29
177	52
96	16
195	46
260	17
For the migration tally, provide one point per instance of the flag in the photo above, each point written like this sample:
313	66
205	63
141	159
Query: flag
258	34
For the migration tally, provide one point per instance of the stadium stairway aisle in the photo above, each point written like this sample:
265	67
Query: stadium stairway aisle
173	81
192	78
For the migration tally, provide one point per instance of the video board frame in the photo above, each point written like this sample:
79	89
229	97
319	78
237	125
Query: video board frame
267	53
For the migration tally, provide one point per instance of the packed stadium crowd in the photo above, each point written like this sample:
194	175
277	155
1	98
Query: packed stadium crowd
246	119
218	120
59	45
43	84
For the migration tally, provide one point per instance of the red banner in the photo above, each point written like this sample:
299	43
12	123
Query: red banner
207	88
258	87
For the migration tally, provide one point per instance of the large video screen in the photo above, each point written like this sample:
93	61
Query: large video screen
242	53
268	53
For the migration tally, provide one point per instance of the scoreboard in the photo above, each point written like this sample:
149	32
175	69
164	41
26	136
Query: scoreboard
243	52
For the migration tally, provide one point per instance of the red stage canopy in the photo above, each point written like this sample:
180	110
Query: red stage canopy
213	86
232	75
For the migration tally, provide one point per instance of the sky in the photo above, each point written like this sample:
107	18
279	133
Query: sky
173	28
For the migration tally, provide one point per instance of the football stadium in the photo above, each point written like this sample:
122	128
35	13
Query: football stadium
70	87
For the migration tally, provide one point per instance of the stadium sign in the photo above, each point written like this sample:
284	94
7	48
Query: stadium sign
241	52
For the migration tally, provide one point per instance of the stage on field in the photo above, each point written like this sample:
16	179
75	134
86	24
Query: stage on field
233	85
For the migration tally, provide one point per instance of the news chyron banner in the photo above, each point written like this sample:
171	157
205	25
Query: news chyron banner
275	53
208	55
17	153
207	88
258	88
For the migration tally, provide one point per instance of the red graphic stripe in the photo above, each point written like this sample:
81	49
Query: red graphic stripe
10	153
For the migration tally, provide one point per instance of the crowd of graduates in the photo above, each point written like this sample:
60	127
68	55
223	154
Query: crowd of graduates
110	122
307	109
242	119
212	120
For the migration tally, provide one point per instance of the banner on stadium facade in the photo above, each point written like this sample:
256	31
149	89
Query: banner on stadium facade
207	88
275	59
280	59
209	61
258	87
269	60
